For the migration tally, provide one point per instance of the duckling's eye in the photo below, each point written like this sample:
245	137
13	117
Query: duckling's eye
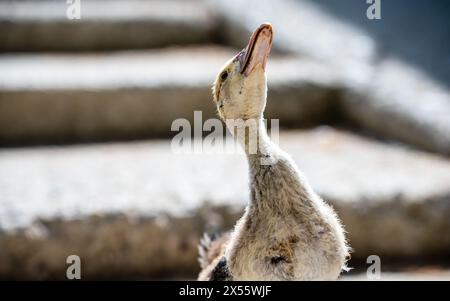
224	75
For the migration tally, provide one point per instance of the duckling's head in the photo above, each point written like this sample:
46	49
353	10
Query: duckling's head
240	88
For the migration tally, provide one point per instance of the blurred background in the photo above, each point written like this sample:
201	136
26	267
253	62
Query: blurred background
86	107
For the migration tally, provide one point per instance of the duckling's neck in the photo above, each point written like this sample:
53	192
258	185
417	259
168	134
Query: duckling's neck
252	135
268	164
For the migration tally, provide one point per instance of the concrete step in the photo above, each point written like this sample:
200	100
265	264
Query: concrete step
399	102
44	25
56	98
141	208
52	98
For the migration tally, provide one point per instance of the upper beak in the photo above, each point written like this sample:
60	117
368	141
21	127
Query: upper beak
258	49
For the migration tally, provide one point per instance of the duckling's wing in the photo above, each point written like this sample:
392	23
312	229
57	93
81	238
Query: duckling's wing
212	261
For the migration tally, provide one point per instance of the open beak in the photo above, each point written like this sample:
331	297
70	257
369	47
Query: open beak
258	49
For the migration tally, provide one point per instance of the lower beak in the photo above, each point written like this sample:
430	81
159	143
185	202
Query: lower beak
258	49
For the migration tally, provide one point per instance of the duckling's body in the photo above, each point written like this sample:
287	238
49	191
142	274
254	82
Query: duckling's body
287	232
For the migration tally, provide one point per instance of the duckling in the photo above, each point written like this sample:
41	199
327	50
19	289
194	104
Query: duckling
287	231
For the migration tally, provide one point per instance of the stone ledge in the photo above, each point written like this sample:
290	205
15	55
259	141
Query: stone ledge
139	94
104	25
399	102
136	210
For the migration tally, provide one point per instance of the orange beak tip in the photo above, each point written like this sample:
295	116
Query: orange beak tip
258	48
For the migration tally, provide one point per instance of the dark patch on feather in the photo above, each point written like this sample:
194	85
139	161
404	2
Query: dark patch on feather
278	259
221	271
